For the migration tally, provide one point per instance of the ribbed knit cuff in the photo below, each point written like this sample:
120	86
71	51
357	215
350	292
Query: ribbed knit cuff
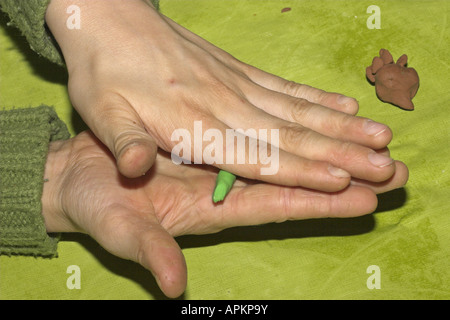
25	135
29	17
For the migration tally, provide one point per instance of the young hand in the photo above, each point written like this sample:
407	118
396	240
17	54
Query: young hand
135	76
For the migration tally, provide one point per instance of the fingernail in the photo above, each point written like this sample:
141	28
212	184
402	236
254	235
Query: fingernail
380	160
338	172
373	128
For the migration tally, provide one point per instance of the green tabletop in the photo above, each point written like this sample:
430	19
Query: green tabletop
402	251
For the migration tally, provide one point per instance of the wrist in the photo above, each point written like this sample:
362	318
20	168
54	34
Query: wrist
55	167
84	27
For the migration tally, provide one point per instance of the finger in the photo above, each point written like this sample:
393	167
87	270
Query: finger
263	203
246	154
139	237
359	161
384	151
120	128
159	253
398	180
327	121
332	100
290	170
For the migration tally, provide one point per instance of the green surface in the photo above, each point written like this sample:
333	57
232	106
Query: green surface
325	44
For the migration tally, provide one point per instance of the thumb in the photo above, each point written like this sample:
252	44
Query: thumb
135	151
138	236
121	129
159	253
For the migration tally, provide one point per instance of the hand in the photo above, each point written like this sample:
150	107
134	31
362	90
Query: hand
135	76
138	218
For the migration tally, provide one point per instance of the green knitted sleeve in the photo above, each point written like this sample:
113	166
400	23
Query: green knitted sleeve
29	17
25	135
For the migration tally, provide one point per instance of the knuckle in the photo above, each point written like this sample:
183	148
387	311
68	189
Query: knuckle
299	111
323	207
318	205
294	134
286	196
292	88
343	153
341	123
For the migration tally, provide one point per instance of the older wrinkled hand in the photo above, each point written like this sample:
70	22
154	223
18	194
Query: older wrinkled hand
138	218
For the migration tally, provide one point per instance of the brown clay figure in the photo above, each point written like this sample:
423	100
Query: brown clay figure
394	82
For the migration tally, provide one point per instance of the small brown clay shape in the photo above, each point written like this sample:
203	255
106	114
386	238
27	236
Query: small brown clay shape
394	82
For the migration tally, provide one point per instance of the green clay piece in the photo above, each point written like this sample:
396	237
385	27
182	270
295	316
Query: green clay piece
224	183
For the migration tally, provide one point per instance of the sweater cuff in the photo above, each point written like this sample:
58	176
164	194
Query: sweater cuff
29	17
25	135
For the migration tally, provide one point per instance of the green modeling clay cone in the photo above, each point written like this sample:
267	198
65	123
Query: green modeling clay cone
224	183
